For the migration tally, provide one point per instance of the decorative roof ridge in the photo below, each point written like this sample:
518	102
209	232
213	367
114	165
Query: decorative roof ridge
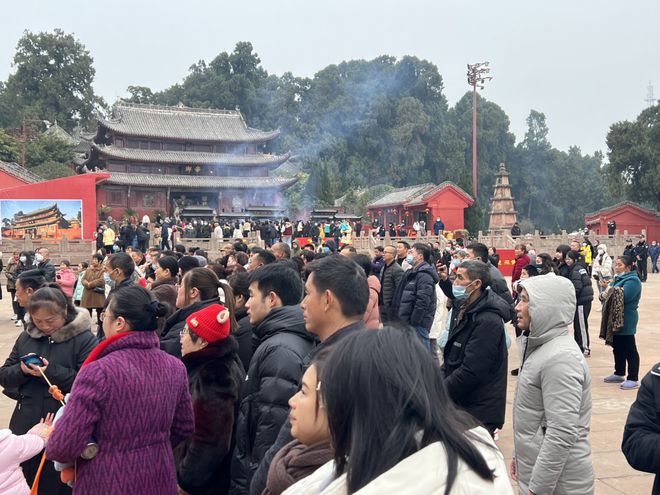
444	184
177	108
619	205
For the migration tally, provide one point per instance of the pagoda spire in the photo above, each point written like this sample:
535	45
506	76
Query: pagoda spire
502	212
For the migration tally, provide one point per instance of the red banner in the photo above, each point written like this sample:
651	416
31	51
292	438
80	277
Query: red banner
507	260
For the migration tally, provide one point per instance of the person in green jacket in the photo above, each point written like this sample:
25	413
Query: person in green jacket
624	347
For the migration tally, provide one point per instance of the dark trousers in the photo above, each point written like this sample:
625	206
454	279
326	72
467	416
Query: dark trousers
654	265
642	269
14	303
625	351
581	325
99	323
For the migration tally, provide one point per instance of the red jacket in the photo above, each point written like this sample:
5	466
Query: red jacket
521	262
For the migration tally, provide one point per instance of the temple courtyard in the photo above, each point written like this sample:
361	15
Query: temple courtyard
610	404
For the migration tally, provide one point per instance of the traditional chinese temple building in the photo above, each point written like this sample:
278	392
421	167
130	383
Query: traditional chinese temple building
186	162
44	223
422	202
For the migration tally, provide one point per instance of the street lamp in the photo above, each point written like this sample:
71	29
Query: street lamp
476	75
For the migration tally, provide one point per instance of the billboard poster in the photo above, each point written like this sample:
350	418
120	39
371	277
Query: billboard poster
41	219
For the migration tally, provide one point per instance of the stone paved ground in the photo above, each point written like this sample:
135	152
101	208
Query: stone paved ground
610	404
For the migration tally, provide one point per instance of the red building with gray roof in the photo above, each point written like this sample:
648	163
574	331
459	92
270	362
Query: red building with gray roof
423	202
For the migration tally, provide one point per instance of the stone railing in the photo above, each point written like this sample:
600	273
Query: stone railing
548	243
74	251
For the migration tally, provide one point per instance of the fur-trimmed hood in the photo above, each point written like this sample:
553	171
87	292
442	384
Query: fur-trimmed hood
81	323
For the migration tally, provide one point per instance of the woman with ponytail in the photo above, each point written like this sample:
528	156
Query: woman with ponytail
199	288
132	399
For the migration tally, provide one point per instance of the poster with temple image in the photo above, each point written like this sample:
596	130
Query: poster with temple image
41	219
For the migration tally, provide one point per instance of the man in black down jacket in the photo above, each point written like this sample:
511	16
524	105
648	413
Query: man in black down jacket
390	278
415	301
475	356
479	251
275	369
335	302
641	436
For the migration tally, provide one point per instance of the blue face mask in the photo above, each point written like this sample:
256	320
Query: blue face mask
410	259
106	278
460	290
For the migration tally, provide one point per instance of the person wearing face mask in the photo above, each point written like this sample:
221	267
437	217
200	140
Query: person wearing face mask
43	263
475	355
311	446
119	269
414	302
602	266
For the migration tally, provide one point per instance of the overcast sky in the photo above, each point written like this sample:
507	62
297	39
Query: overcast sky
585	64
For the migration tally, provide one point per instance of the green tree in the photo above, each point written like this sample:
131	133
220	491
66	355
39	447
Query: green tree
633	170
49	157
140	94
52	81
52	170
10	149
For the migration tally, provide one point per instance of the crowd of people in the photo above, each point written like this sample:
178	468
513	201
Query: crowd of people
298	370
116	235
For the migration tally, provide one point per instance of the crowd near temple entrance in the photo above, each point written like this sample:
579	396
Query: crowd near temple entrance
191	309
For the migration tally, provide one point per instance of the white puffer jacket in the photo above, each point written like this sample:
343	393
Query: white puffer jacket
424	472
552	406
602	264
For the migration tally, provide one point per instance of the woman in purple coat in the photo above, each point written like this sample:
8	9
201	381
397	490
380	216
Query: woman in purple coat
132	399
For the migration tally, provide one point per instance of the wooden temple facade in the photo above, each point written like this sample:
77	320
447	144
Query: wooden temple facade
45	223
184	162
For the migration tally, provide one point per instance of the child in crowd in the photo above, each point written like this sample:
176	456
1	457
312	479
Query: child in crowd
15	449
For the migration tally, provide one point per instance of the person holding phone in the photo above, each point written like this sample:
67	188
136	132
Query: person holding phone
57	339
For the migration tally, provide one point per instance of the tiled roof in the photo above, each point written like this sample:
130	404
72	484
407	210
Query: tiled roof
22	173
183	123
198	181
415	195
421	197
400	196
189	157
610	209
56	131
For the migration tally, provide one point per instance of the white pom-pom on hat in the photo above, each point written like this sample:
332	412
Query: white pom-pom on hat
223	316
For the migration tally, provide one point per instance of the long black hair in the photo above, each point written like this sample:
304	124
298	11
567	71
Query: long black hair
385	394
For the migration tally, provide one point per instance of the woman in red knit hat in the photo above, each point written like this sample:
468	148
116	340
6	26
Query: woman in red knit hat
215	375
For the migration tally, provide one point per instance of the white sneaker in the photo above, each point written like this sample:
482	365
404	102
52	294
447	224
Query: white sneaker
19	323
14	318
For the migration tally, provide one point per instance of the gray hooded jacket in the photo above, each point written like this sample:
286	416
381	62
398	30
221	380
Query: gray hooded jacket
552	406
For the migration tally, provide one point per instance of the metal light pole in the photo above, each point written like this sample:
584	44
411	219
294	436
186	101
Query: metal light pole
476	75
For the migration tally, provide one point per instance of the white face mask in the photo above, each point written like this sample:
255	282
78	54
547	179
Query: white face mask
39	257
